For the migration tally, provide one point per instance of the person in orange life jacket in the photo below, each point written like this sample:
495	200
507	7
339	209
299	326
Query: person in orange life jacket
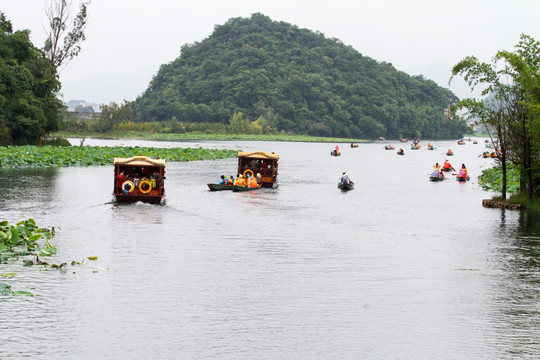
240	181
231	180
253	183
337	149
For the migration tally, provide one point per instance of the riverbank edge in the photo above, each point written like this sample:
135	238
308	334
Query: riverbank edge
491	203
205	137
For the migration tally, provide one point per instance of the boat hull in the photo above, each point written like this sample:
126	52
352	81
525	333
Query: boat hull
238	188
218	187
346	187
435	178
149	199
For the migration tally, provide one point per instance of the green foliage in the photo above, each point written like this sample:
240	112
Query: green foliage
491	179
22	238
45	156
298	81
28	104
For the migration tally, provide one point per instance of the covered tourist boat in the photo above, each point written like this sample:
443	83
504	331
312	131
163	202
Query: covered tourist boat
259	162
139	178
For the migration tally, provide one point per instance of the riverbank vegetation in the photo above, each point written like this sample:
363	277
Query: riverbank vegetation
196	135
510	111
63	156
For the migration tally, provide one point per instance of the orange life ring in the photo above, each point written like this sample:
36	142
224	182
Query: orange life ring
248	170
148	185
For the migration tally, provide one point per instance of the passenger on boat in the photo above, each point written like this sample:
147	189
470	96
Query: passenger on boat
400	152
223	181
446	165
464	170
156	179
437	167
231	180
345	178
240	181
252	182
120	180
264	167
259	178
441	174
336	149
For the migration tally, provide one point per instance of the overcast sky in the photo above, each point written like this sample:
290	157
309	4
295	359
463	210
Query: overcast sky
128	40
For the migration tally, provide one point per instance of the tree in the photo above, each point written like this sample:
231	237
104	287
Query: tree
510	105
29	108
66	34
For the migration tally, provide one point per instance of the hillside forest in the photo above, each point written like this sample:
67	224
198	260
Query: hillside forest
258	75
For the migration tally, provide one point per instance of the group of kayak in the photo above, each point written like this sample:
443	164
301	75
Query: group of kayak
438	172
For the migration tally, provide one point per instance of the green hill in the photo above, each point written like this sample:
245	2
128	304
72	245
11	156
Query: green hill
298	81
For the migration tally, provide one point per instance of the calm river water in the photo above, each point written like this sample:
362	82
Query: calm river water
398	268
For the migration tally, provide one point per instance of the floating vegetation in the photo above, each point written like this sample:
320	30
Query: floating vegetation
22	238
54	156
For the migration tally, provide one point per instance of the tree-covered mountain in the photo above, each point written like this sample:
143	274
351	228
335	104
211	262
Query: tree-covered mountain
294	80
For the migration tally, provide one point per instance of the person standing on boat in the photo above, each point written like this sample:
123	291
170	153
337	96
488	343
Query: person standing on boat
120	180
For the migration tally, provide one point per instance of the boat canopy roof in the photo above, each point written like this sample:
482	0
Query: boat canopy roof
139	161
258	155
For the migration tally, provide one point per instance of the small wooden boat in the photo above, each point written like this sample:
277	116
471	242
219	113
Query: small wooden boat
389	147
245	188
435	178
219	187
403	140
463	178
401	152
449	153
335	153
346	187
354	145
259	162
461	142
139	178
